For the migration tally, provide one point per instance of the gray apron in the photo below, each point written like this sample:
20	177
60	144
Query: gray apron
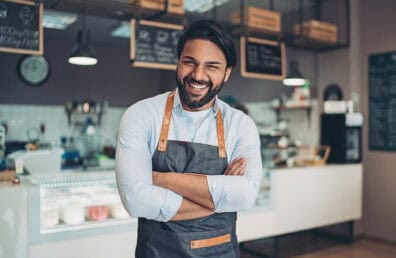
211	236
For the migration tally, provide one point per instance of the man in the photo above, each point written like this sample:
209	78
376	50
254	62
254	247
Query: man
187	161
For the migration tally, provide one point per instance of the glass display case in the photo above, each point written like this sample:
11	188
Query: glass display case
76	204
264	195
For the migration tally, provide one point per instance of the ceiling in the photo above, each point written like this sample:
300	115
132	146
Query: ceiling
126	9
120	9
102	16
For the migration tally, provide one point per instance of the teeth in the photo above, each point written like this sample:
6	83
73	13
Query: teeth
198	86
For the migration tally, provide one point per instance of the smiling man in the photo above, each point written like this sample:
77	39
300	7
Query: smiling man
187	161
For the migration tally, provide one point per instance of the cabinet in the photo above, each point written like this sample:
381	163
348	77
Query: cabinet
75	205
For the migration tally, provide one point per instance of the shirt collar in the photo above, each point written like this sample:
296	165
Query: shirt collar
177	105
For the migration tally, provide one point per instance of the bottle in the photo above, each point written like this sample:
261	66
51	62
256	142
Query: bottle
2	141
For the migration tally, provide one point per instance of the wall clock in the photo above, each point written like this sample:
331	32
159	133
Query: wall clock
33	70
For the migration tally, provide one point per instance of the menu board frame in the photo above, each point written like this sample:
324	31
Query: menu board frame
138	63
381	96
245	40
40	50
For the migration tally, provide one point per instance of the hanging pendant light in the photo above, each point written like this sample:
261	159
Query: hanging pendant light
83	53
293	76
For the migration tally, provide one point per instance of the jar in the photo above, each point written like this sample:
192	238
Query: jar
49	213
98	212
118	211
72	212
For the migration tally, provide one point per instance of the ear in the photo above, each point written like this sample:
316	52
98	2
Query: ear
227	73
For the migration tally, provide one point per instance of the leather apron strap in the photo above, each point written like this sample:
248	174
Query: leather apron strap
220	134
163	141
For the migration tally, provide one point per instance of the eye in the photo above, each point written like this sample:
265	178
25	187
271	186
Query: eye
188	62
212	67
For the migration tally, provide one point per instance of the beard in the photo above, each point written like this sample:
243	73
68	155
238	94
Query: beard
185	97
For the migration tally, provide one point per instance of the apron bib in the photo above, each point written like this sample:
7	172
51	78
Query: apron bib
211	236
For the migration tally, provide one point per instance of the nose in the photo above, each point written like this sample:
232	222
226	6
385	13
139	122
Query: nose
199	73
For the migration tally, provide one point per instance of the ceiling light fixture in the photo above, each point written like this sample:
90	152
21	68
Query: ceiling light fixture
293	76
83	53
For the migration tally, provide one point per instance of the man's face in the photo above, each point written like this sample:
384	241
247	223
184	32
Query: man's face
201	73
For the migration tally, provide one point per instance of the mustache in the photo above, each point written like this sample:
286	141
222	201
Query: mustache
190	80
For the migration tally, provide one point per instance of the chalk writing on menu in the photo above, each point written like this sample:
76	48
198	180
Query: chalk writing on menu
262	59
382	101
156	45
266	59
19	27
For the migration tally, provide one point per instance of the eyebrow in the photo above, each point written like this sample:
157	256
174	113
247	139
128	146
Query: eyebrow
210	62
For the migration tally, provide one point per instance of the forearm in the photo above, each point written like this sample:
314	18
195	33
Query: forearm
191	210
233	193
191	186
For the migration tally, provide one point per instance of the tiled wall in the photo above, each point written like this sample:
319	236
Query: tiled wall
21	118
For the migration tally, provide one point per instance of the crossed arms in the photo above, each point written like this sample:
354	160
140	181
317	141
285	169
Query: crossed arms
197	201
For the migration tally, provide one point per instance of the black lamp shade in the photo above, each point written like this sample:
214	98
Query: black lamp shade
293	76
83	53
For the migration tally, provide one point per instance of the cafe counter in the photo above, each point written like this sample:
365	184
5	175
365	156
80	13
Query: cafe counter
80	214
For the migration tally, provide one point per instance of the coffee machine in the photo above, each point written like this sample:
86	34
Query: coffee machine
343	133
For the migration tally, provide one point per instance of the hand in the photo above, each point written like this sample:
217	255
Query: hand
236	167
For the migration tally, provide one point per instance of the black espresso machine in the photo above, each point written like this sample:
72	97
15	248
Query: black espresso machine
343	133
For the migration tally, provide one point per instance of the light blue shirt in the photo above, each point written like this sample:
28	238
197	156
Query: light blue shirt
139	133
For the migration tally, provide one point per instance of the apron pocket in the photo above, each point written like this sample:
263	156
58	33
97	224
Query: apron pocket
194	244
217	243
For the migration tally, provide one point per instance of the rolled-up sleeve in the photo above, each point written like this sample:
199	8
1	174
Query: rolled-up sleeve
134	170
237	193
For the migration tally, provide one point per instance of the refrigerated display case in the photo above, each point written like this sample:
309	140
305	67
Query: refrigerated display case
68	214
72	205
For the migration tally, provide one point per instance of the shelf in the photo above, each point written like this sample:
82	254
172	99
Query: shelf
278	134
313	45
84	110
275	134
156	15
88	225
299	41
299	107
283	107
296	11
238	30
289	39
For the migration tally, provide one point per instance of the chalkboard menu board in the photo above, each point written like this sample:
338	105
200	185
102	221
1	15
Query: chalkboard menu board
382	101
153	44
21	29
262	59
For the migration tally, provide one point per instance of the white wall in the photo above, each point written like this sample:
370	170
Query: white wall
377	34
372	31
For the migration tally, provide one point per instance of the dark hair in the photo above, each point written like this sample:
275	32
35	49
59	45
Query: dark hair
215	33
